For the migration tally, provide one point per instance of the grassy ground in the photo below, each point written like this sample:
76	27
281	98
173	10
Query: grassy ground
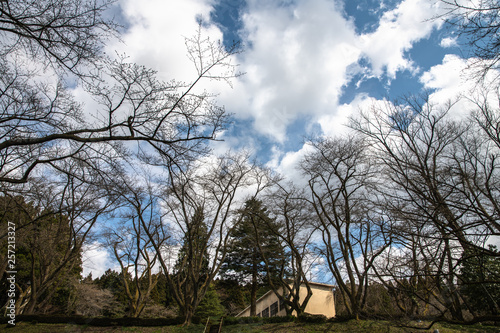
352	326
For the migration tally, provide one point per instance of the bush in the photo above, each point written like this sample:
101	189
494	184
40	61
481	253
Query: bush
155	310
312	318
241	320
98	321
341	318
250	320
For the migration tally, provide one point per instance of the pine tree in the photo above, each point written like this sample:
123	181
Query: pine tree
210	305
479	276
253	244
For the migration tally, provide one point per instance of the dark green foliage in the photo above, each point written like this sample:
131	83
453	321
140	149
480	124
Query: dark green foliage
480	278
255	252
245	255
191	271
210	305
160	298
233	296
241	320
311	318
249	320
112	281
161	294
379	302
47	265
97	321
279	319
194	246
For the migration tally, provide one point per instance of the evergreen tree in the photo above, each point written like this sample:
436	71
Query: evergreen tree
161	294
48	269
112	280
210	305
480	274
252	246
232	294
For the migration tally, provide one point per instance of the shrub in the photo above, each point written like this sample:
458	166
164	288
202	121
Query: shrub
241	320
312	318
98	321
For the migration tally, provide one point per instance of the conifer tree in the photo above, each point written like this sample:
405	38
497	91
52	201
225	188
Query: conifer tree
252	241
479	276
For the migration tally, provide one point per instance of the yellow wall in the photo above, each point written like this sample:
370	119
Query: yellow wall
321	301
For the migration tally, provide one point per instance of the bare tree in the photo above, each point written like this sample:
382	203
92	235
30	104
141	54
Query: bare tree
91	301
295	228
479	23
418	270
199	204
65	208
67	33
131	245
339	175
42	124
475	166
486	115
414	139
438	185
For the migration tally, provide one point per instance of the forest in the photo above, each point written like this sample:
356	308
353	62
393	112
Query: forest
401	214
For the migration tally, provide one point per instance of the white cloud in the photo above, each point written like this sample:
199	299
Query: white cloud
296	62
300	55
287	164
336	123
494	240
298	58
155	37
397	31
455	80
449	42
447	78
96	260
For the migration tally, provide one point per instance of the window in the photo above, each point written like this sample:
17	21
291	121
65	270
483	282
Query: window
274	309
265	312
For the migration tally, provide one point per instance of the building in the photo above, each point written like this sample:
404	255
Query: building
321	302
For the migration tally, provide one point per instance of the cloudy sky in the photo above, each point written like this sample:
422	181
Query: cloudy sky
309	64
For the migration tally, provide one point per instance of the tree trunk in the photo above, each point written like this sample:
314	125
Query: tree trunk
253	293
30	308
188	315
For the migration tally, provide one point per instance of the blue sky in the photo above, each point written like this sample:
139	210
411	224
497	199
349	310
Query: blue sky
305	60
309	64
318	56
